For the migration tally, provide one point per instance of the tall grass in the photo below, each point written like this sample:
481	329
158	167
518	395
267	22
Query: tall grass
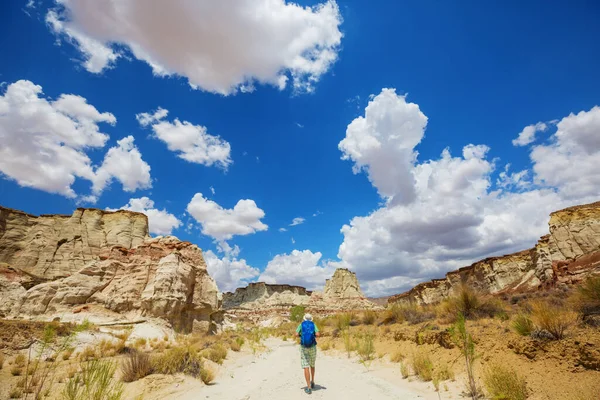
347	338
178	359
135	366
369	317
94	382
552	318
587	299
501	383
404	370
465	302
422	365
523	325
465	343
366	349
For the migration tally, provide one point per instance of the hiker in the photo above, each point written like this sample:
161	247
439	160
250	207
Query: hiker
308	332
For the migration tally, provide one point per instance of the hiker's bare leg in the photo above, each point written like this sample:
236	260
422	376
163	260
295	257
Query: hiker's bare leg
312	373
307	377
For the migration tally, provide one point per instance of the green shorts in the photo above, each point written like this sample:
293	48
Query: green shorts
308	356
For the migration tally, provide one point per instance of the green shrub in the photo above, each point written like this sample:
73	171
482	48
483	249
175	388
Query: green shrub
465	302
422	366
587	299
393	314
404	370
503	383
366	348
523	325
297	313
444	373
463	340
136	366
217	354
94	382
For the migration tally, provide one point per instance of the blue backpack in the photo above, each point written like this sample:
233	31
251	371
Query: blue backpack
308	337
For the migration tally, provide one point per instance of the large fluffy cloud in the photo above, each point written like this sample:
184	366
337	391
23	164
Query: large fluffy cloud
219	46
44	143
382	144
298	268
569	162
221	223
161	222
450	213
229	272
191	142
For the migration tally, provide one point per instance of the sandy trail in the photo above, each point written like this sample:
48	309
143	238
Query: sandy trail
276	374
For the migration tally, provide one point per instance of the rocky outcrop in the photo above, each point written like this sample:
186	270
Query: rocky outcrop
343	285
54	246
342	292
263	295
114	266
567	255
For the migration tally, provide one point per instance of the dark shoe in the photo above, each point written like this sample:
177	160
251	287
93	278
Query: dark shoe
307	390
312	385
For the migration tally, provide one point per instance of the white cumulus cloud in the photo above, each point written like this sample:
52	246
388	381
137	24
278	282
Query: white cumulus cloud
527	135
191	142
161	222
222	223
453	213
300	267
45	144
229	272
219	46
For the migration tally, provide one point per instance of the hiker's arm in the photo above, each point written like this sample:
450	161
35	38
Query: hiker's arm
318	334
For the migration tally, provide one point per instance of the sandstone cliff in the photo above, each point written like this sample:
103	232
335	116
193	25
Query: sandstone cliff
54	265
567	255
342	292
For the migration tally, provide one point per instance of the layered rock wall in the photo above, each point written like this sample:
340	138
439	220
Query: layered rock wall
54	265
264	295
567	255
54	246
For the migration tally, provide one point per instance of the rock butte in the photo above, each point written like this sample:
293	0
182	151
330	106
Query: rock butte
567	255
341	292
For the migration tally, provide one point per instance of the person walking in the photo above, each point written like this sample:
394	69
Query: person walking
308	333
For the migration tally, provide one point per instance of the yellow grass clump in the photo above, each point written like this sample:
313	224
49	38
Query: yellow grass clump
501	382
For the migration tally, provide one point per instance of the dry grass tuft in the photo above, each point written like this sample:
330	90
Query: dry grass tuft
16	371
217	354
20	360
422	365
397	357
325	345
88	353
178	359
235	346
552	318
135	366
67	353
369	317
404	370
94	381
15	393
443	372
504	383
523	325
1	360
207	375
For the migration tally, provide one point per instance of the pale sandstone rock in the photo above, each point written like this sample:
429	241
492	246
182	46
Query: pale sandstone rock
342	285
52	246
124	271
567	255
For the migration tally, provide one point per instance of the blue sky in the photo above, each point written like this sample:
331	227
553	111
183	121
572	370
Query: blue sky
472	73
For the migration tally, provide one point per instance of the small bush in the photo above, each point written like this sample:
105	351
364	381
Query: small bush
217	354
523	325
348	345
297	313
366	348
15	393
88	353
552	319
444	373
587	298
343	321
369	317
94	381
207	375
504	383
239	341
393	314
20	360
422	366
404	370
16	371
178	359
236	347
325	345
67	353
86	325
465	302
492	307
397	357
136	366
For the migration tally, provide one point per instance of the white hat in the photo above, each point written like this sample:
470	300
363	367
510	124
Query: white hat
307	317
